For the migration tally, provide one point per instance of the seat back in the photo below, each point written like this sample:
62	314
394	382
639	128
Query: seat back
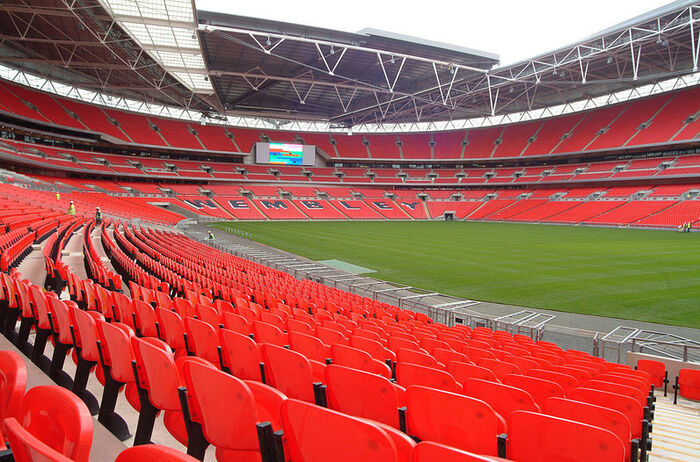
227	409
202	340
145	318
624	404
404	355
310	346
566	381
536	437
288	371
28	448
442	417
597	416
85	332
115	342
157	373
504	399
240	354
171	328
656	369
268	333
539	389
13	383
408	374
689	383
316	434
362	394
59	419
61	319
427	451
463	371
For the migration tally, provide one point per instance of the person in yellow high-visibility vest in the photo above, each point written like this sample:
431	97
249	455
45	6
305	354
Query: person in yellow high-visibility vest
71	209
58	196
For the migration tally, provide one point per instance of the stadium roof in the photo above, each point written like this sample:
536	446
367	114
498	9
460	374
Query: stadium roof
166	52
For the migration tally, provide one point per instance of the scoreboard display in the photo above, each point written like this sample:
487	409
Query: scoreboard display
285	154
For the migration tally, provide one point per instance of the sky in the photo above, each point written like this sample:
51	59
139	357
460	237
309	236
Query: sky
513	29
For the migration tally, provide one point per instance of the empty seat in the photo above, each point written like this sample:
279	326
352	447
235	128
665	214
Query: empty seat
536	437
688	384
28	448
288	371
227	409
159	379
453	419
55	417
363	394
504	399
13	382
344	355
597	416
657	371
427	451
201	340
566	381
240	355
463	371
310	346
539	389
315	434
408	374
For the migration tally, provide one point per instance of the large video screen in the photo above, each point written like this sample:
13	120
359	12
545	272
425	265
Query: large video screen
285	154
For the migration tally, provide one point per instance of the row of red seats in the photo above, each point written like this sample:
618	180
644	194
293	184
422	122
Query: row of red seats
98	271
197	326
666	116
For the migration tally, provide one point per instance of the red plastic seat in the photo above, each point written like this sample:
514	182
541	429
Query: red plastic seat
13	383
504	399
463	371
201	339
499	367
539	389
116	356
374	347
159	378
445	356
624	404
427	451
240	354
145	319
656	369
268	333
153	453
316	434
310	346
443	417
171	329
28	448
236	323
228	413
363	394
344	355
55	417
330	336
63	340
536	437
408	374
288	371
591	414
404	355
617	388
566	381
689	383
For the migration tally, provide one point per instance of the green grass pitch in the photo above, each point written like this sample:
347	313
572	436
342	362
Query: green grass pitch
631	274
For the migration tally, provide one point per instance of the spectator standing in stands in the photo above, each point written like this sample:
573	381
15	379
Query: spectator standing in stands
98	216
71	209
